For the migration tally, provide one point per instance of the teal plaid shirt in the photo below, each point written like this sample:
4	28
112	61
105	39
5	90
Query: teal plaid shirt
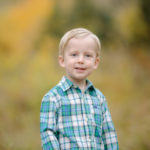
72	120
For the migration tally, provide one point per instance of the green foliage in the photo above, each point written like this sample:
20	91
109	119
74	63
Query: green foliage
83	14
145	10
146	17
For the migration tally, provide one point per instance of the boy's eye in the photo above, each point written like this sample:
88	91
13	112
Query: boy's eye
88	55
73	54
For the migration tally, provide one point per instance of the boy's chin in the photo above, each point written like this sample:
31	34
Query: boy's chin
80	78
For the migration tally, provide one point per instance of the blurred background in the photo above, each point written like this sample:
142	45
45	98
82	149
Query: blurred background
30	31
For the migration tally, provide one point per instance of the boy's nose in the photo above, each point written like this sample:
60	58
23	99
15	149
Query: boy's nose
80	59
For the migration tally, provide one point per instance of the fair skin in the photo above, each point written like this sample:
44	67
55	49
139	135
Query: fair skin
79	60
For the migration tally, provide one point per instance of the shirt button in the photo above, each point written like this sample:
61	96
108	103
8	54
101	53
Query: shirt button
86	119
89	139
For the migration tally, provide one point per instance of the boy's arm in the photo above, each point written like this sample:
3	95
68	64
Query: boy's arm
109	135
48	124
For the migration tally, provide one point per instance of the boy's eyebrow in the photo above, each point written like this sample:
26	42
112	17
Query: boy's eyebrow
74	50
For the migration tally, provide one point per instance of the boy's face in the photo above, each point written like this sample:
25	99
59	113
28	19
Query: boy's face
80	58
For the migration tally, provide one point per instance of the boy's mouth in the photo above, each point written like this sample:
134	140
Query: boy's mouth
80	68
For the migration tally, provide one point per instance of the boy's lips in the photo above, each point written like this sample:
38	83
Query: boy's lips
80	68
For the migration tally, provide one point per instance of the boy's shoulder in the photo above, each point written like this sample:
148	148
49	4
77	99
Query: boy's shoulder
100	96
53	91
59	88
52	96
99	93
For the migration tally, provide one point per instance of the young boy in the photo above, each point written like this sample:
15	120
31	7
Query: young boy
74	114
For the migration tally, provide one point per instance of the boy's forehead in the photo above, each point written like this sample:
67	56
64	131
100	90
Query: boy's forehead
77	40
81	43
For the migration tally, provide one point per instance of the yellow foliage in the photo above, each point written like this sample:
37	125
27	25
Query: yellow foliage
20	25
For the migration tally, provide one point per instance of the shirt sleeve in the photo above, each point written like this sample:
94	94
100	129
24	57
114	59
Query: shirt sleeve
48	123
109	135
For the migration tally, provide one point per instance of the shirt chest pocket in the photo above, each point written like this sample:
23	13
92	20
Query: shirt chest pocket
97	112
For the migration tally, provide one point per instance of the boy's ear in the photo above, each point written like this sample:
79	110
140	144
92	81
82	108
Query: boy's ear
97	60
61	61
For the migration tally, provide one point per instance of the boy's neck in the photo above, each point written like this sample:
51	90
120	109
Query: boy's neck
80	84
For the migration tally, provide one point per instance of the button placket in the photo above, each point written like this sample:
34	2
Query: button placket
85	119
83	108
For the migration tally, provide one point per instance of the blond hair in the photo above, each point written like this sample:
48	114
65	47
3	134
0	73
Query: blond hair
77	33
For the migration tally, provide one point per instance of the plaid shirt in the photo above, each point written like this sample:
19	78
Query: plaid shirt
72	120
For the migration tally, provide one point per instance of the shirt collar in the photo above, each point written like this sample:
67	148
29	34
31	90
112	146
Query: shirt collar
89	85
65	84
